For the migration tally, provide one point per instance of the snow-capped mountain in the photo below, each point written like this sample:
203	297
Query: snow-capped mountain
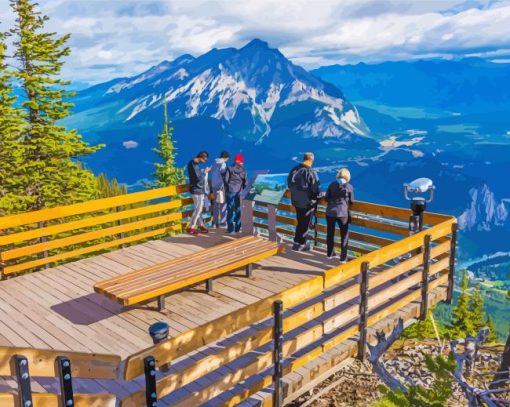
484	212
240	97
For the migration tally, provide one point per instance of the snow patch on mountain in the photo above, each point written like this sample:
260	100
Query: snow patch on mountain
484	211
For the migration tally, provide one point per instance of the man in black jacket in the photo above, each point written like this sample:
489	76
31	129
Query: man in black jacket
235	182
198	187
303	183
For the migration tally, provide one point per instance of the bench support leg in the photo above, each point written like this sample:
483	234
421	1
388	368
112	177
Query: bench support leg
208	285
249	270
161	303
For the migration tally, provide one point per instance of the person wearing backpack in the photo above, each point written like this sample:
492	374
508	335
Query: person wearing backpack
199	188
303	183
339	198
235	182
218	172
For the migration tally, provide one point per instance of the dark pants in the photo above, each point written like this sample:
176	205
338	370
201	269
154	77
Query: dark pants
304	220
343	224
233	212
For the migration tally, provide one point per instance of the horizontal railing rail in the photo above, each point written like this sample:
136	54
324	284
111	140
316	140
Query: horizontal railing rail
31	240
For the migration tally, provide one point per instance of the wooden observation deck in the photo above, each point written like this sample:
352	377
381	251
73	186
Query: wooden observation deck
314	312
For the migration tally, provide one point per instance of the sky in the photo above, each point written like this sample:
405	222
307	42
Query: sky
118	38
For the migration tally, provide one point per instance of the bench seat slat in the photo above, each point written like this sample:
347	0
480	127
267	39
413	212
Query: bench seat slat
161	279
163	276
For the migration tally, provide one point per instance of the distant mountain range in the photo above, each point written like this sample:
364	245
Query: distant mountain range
227	98
389	123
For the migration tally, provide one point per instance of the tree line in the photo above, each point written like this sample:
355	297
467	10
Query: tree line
40	163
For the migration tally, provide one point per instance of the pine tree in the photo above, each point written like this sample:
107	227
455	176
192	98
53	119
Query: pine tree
462	323
50	174
109	188
12	127
167	173
476	308
493	337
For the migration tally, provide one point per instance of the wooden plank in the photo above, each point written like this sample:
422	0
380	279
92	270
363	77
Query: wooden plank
193	339
92	221
380	278
26	218
52	400
439	266
129	298
42	363
440	249
380	256
90	236
262	362
90	249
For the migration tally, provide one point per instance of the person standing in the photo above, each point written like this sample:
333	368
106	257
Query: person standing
339	198
235	182
198	187
218	171
303	183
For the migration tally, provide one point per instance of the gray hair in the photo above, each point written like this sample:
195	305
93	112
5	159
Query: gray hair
308	156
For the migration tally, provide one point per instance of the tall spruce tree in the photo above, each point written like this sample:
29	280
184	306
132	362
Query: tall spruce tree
166	172
462	321
50	174
12	128
477	314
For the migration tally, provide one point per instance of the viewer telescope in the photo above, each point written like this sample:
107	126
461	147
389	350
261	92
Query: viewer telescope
414	191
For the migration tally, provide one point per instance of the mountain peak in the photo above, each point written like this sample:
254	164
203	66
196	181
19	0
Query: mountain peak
257	43
185	58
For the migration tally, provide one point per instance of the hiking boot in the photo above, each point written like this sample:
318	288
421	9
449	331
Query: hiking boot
296	247
304	248
202	229
192	231
331	256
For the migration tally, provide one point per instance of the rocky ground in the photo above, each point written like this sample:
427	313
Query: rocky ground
356	385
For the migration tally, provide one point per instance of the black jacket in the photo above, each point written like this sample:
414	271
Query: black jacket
303	183
235	178
339	199
196	178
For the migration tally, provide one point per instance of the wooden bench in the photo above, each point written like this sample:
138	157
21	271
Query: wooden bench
161	279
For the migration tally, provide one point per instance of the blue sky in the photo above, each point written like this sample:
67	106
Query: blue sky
125	37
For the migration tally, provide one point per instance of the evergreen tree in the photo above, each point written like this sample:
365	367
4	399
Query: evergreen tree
476	308
462	321
493	337
12	127
109	188
50	174
167	173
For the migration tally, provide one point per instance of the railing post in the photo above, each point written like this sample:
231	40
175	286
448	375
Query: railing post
23	376
44	239
119	223
151	395
278	353
425	278
363	311
66	381
271	222
247	216
451	271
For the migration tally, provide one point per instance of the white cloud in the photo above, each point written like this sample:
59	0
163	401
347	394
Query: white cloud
122	38
129	144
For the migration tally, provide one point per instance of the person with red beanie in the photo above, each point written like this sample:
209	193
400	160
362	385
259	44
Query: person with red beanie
235	182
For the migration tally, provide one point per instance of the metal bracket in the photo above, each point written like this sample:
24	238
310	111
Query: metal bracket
66	381
363	312
278	353
151	395
161	303
208	285
23	375
249	270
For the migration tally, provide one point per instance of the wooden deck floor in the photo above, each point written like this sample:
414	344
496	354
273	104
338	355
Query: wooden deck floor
58	309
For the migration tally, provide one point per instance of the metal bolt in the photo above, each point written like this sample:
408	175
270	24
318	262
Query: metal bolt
24	376
66	363
154	395
69	403
67	376
28	403
23	362
152	363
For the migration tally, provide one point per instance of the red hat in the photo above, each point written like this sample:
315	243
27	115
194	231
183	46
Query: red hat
239	158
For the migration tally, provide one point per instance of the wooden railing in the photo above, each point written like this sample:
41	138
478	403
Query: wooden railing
41	238
319	314
390	271
24	363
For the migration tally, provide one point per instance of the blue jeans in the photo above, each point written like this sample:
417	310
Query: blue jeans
233	212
